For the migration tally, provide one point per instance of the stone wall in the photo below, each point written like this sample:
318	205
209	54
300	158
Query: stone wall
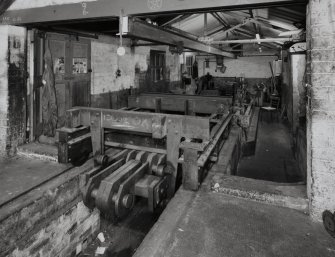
12	88
321	106
3	88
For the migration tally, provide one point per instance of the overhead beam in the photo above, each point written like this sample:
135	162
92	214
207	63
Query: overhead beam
148	32
250	41
4	5
220	20
276	23
224	24
108	8
177	19
244	22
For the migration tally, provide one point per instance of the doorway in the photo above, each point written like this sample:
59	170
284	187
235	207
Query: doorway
71	61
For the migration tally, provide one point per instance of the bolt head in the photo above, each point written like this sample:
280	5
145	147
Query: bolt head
128	201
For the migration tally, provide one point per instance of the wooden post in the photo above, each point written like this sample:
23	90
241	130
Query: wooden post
96	133
174	130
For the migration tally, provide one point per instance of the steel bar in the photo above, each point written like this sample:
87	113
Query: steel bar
250	41
212	144
135	147
149	32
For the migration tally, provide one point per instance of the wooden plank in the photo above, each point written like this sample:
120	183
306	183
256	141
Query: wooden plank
107	8
96	133
203	105
143	122
174	135
249	147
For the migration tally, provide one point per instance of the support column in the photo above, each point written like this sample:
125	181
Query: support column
321	106
12	88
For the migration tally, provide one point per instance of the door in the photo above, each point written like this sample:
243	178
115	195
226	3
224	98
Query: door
158	74
71	58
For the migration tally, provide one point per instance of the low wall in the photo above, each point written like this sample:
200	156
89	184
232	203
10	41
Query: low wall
50	220
230	153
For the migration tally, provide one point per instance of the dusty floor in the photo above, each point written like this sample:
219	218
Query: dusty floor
123	238
198	224
274	160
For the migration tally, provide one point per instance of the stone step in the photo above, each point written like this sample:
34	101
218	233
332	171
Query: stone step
38	151
279	194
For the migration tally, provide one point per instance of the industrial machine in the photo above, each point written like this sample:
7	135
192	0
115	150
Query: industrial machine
149	148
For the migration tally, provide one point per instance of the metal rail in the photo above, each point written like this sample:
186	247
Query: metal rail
212	144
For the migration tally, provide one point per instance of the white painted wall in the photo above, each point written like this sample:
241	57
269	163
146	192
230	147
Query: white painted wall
248	67
105	62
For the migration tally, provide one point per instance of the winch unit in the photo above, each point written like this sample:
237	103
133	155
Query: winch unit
141	153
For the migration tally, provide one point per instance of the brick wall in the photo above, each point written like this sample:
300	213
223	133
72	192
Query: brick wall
62	236
321	106
3	88
12	88
49	221
110	91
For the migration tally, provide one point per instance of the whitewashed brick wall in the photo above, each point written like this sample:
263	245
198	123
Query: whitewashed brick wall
321	110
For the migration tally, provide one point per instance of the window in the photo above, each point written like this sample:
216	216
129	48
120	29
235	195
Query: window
157	64
189	63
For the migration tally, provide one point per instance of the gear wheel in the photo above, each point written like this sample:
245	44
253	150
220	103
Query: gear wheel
329	222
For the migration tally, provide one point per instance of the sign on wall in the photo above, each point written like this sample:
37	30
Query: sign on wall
59	65
79	65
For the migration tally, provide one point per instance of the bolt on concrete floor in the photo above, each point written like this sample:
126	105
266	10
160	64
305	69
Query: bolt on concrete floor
274	159
198	224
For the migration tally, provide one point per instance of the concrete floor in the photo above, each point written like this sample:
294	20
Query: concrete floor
274	160
212	224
